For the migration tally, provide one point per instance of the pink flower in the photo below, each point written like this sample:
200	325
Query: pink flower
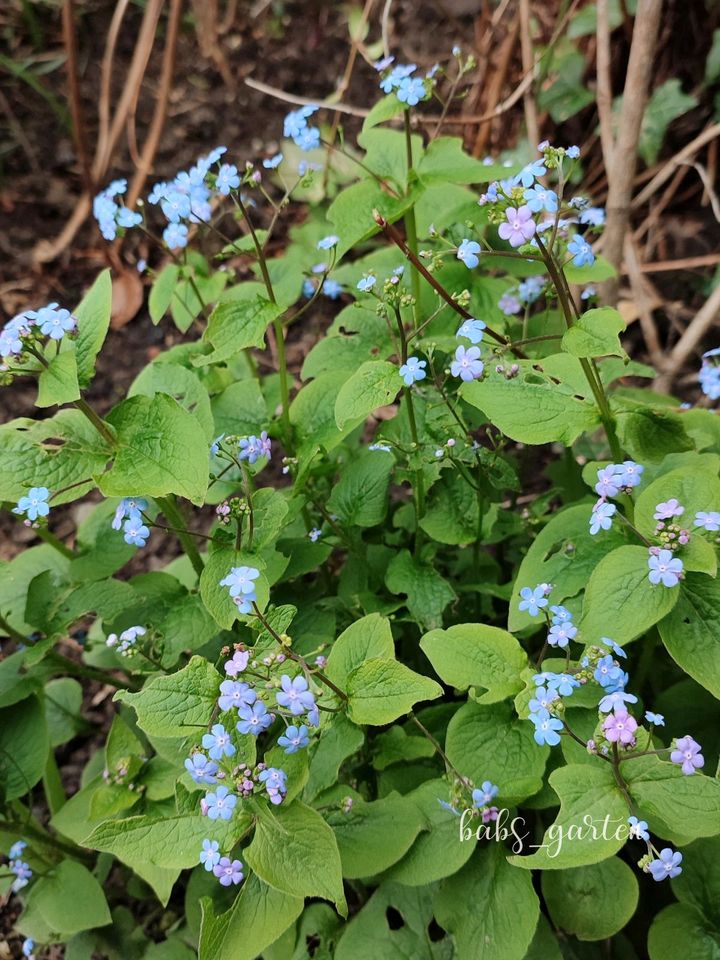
687	755
620	727
520	226
238	663
668	509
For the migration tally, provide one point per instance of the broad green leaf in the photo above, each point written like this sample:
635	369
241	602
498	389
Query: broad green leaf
563	94
699	882
93	321
187	626
69	899
63	703
476	655
161	450
690	631
240	409
544	944
601	270
162	292
395	746
373	836
351	212
235	325
592	805
595	334
647	433
452	514
386	153
338	741
24	745
565	554
532	407
177	704
438	851
380	691
667	103
259	915
58	382
180	383
620	602
369	638
357	336
216	598
680	930
428	593
669	800
445	161
375	384
102	550
360	497
505	908
385	109
594	902
312	414
490	742
295	851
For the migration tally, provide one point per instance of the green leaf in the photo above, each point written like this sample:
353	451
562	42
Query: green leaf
690	631
595	334
669	800
375	384
216	598
256	919
69	899
601	270
395	746
379	691
667	103
588	794
383	110
452	515
340	740
360	498
505	910
63	705
445	161
312	414
620	602
532	408
438	851
368	638
162	291
386	153
491	743
178	704
428	593
373	836
24	745
58	382
650	434
235	325
680	930
699	882
161	449
180	383
592	903
351	212
476	655
93	321
295	851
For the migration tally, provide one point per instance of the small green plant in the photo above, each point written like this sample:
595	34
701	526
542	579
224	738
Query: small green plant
403	659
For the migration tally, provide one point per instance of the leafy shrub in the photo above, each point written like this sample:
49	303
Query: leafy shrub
453	620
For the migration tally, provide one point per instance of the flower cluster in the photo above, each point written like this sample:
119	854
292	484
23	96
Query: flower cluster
399	79
25	335
16	865
111	215
124	644
129	517
296	127
709	375
241	585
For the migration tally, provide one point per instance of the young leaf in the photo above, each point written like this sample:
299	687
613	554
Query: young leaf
369	638
375	384
380	691
360	497
595	334
670	801
690	631
93	319
162	292
594	902
235	325
69	899
24	745
58	383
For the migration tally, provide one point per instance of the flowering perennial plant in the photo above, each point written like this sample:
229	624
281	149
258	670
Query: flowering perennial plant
451	573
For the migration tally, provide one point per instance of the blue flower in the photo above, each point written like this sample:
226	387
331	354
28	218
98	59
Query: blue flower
254	719
608	482
601	516
274	780
175	235
252	448
314	534
629	473
227	179
410	91
34	504
581	251
130	507
708	520
539	198
572	152
616	700
241	581
220	805
472	330
28	945
218	743
544	697
23	874
594	216
609	675
638	829
615	647
135	532
296	121
332	289
11	344
273	162
656	719
467	364
295	695
201	769
529	290
533	600
16	850
308	139
561	633
509	304
666	865
228	871
54	322
485	794
367	283
294	739
176	205
413	370
560	614
235	693
564	683
210	854
393	79
327	243
468	252
546	730
530	173
664	568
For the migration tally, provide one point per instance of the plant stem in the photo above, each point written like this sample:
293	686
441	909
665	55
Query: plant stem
83	670
448	763
410	224
52	784
55	542
32	832
102	428
170	508
11	632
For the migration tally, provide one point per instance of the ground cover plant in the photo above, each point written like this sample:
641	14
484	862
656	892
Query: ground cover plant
434	669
